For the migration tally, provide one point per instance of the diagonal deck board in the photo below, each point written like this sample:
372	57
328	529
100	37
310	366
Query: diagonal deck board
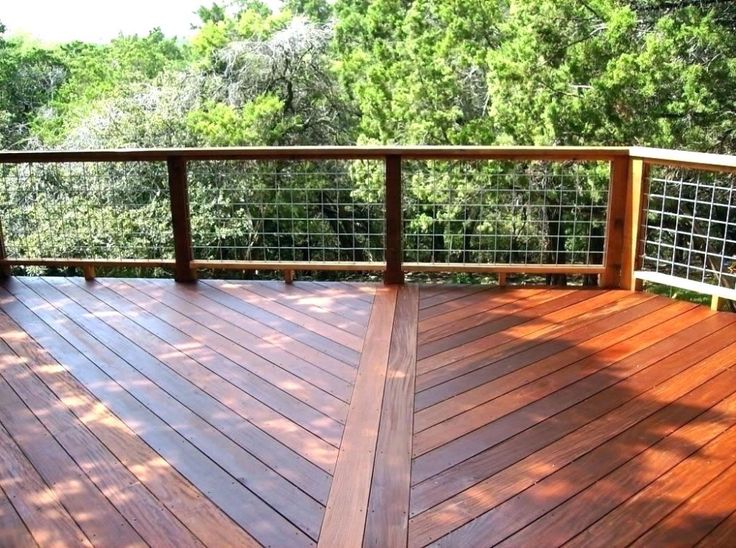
241	413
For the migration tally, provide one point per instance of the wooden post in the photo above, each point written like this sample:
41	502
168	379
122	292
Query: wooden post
5	270
288	277
638	181
617	194
179	199
394	230
715	303
89	272
501	279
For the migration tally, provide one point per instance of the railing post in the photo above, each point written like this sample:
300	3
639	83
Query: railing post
638	180
5	270
179	199
615	222
393	248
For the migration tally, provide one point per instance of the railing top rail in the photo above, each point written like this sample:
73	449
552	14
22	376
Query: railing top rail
686	159
321	153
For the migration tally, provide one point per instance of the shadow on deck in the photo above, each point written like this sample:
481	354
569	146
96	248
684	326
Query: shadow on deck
138	412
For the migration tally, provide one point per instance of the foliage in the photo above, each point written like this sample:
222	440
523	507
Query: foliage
568	72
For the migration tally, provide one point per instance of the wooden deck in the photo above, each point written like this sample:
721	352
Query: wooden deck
142	412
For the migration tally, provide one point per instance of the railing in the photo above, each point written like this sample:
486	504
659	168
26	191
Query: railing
524	210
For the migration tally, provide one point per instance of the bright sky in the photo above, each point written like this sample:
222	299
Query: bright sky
53	21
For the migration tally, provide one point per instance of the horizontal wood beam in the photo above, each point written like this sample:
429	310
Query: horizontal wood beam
688	285
321	153
573	270
81	263
294	265
685	159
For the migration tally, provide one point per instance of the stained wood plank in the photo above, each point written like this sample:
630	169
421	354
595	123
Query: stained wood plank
261	427
478	455
33	500
324	402
664	495
259	389
212	427
513	514
388	508
488	401
591	504
198	513
230	494
514	339
345	515
13	532
451	517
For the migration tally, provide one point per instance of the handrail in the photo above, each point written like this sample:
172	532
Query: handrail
320	153
623	239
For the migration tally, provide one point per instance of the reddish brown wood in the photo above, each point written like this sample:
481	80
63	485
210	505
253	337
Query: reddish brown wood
615	223
393	245
180	223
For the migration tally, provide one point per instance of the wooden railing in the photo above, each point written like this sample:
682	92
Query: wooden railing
620	263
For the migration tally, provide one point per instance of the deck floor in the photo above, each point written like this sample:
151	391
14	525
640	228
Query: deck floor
141	412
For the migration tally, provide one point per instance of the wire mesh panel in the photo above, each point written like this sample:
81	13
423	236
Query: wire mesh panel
690	225
86	210
475	212
284	211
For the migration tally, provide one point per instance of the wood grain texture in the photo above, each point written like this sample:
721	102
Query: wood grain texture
345	515
388	508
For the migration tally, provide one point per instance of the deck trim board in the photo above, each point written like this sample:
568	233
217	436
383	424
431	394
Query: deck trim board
345	516
388	506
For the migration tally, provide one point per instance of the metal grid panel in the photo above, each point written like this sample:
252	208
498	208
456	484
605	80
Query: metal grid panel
86	210
475	212
287	211
690	225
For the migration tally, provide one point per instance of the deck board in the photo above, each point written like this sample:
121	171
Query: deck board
144	412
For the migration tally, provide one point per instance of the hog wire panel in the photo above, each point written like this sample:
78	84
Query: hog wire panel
86	210
287	210
477	212
689	225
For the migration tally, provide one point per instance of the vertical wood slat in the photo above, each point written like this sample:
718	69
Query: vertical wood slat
394	229
638	180
179	200
617	207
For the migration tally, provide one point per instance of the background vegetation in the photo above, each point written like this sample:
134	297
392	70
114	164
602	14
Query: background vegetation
502	72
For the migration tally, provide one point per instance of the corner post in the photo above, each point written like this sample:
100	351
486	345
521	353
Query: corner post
638	181
393	248
615	222
179	200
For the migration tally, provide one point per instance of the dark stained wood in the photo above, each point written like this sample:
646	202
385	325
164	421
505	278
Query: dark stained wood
394	229
180	223
345	515
388	508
